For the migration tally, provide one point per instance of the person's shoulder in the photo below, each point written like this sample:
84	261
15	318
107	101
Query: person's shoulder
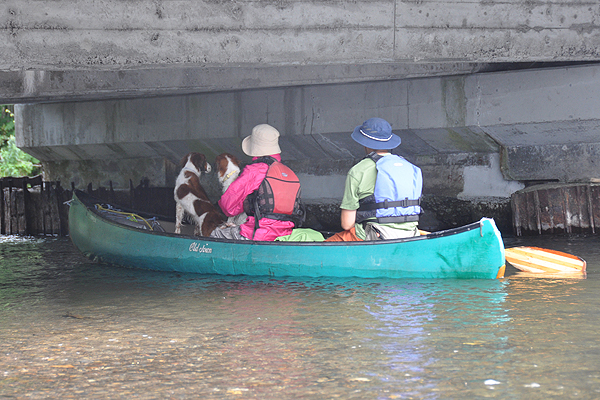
251	170
402	159
256	165
364	164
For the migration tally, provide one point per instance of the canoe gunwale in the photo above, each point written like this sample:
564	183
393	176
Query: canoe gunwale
89	203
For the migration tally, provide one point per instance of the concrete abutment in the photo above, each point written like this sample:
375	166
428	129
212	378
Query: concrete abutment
478	137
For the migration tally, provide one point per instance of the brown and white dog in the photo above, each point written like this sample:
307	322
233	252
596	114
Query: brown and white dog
228	169
191	198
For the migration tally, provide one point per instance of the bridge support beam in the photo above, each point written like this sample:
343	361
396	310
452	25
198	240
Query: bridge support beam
476	136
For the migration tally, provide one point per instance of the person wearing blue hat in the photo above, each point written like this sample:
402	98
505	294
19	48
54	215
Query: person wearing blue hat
382	195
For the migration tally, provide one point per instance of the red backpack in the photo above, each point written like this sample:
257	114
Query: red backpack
278	196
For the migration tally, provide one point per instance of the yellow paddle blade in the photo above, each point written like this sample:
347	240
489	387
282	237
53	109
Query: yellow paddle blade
538	260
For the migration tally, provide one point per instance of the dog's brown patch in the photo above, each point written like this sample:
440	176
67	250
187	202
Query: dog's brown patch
183	191
196	188
199	160
211	221
221	162
202	206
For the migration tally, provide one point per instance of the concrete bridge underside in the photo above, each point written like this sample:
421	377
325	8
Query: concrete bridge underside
487	96
478	137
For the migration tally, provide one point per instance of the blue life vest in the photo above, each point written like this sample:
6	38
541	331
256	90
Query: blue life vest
397	195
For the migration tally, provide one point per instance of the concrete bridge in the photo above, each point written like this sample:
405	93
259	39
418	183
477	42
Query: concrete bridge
487	96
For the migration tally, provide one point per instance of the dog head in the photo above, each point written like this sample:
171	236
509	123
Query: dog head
195	161
228	168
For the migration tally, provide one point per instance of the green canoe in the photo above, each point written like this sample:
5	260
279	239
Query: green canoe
472	251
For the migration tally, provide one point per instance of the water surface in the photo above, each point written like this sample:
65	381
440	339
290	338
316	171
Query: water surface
72	328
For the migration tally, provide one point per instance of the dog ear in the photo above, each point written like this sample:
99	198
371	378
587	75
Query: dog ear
199	160
221	163
234	159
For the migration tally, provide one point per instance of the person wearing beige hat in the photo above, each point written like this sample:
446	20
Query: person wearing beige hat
264	141
267	190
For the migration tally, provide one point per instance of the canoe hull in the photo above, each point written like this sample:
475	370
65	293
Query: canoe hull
475	251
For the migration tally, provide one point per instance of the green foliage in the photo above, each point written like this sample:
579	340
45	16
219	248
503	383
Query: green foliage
16	162
7	124
13	161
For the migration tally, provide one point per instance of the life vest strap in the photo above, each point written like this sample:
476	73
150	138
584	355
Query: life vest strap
400	219
389	204
393	220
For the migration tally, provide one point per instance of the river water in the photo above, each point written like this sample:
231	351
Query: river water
72	328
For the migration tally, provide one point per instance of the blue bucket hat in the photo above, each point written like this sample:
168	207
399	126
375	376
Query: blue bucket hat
376	134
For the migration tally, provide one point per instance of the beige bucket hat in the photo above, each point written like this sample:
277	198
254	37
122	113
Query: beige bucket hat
263	141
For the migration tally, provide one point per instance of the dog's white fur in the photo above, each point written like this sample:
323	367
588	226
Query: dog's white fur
228	170
230	173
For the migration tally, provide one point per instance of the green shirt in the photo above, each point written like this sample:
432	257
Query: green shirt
360	183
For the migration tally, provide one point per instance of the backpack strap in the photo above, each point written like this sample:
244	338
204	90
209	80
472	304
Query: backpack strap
265	159
257	218
374	156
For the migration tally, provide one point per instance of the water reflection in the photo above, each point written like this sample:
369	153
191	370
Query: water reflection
424	327
68	325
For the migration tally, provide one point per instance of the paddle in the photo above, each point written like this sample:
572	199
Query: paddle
542	262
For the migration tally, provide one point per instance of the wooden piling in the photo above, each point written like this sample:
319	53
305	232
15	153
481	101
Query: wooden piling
30	206
556	209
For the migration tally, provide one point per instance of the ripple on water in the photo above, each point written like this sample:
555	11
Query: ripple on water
69	326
